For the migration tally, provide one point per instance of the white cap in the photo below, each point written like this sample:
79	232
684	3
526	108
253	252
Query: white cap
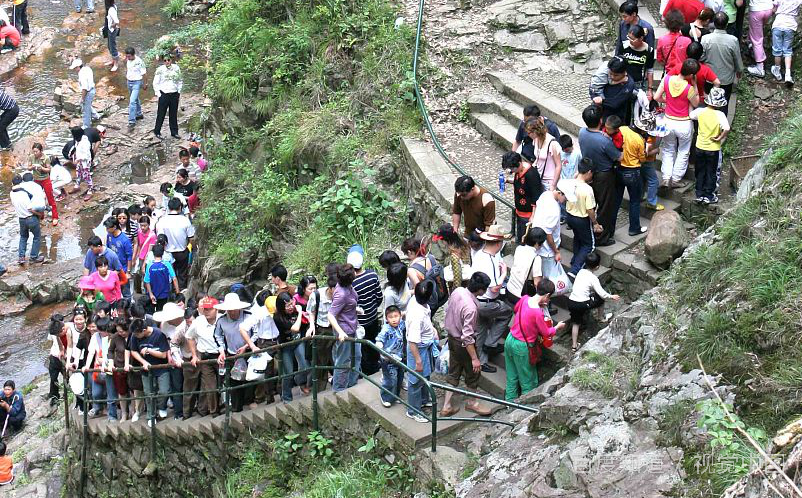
77	62
568	188
355	259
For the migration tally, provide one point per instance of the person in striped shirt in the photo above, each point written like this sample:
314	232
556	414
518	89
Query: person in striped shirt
10	111
369	298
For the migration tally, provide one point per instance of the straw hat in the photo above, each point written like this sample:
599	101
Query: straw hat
494	233
171	311
86	283
231	302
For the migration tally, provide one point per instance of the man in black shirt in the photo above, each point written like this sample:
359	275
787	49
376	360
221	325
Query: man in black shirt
639	57
526	187
522	138
95	136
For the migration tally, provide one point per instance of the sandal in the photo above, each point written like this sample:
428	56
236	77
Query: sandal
55	223
88	195
574	349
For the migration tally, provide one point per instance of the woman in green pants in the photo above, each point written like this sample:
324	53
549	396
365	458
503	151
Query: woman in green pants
530	329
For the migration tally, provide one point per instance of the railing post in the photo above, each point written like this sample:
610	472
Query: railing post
433	397
153	391
87	399
315	412
226	387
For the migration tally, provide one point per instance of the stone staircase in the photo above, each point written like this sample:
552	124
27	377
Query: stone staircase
360	404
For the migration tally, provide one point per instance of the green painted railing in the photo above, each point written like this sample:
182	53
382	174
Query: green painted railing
425	113
314	368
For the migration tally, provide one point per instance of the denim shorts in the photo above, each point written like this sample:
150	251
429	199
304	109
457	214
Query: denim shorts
782	41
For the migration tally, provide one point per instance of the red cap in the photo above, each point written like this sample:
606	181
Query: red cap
207	302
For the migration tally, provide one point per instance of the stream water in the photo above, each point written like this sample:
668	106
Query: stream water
23	339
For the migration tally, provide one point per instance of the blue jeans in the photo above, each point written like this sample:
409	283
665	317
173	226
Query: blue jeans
29	225
584	242
417	395
105	389
341	352
87	108
90	5
162	384
113	44
652	182
782	41
126	290
135	105
176	386
630	178
287	367
391	380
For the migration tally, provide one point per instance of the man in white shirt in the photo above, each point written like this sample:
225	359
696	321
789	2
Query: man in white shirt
203	346
547	218
29	205
167	85
494	312
135	74
86	79
179	232
259	331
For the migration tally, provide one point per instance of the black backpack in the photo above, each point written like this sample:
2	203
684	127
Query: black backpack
435	275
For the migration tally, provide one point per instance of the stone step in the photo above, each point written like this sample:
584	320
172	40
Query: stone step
669	203
623	241
511	111
496	128
494	383
431	169
566	115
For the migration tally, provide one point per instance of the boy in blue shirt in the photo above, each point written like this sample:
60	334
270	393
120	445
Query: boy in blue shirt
158	277
391	339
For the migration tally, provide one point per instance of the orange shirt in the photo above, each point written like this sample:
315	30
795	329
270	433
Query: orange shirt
6	465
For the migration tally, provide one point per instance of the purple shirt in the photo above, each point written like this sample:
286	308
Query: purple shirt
343	308
461	316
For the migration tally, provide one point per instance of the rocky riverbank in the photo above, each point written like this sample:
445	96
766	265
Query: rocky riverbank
37	450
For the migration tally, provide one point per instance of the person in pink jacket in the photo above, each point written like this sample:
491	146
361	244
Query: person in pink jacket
531	328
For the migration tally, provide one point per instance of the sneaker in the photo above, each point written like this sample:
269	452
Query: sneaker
417	418
169	403
638	232
705	200
712	200
789	80
92	412
699	200
775	71
386	404
157	135
131	126
177	137
428	404
112	419
488	368
140	117
5	51
151	422
655	207
162	413
21	261
135	417
756	71
39	259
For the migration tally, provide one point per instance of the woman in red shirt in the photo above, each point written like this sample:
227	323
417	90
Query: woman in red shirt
671	47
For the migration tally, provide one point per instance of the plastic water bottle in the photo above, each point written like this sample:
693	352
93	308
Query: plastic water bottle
502	184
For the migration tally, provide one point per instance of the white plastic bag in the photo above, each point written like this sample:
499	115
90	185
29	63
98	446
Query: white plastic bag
562	285
257	366
442	360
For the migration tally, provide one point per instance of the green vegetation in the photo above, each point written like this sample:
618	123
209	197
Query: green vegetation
323	89
27	388
608	375
175	8
309	467
743	114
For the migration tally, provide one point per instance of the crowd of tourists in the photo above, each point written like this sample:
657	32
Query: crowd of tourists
136	325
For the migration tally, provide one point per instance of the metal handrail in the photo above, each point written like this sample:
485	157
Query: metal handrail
314	368
425	113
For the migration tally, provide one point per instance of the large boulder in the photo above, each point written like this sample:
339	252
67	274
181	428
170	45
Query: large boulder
667	239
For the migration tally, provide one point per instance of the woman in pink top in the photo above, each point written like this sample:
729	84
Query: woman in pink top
530	327
679	94
547	153
106	281
145	239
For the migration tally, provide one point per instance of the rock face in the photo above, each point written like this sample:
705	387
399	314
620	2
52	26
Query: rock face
45	284
667	238
595	434
40	39
573	27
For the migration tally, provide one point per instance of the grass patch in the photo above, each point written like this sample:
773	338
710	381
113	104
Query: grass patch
608	375
672	423
743	113
19	454
470	466
175	8
28	388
